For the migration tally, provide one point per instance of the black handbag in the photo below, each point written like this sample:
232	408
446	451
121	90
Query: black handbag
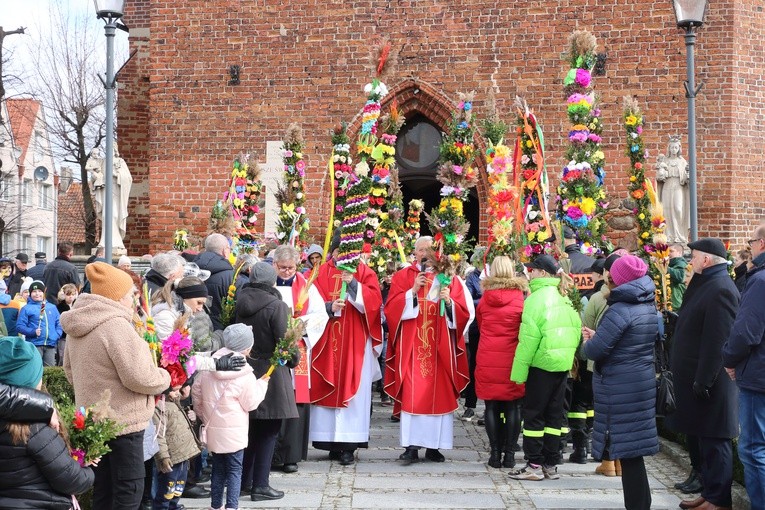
665	386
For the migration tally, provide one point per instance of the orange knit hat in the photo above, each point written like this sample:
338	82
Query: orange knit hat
108	281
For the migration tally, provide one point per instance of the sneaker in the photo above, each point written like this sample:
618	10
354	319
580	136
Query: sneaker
468	415
550	472
528	472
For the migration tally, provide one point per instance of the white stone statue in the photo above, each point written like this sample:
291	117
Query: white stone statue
122	182
672	175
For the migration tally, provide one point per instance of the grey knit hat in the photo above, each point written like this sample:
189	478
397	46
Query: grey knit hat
238	337
263	273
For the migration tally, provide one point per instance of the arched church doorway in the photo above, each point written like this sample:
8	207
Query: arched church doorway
417	159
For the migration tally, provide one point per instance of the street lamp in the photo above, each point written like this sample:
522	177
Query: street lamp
110	11
689	15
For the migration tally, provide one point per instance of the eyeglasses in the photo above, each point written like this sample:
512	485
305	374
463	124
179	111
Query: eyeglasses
752	241
286	268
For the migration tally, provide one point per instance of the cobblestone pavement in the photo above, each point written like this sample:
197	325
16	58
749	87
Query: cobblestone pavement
377	480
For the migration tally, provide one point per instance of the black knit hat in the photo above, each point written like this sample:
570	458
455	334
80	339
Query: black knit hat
37	285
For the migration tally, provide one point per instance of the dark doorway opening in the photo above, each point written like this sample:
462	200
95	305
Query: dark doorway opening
417	159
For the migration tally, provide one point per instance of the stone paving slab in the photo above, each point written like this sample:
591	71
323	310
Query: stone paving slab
586	499
447	482
576	482
416	500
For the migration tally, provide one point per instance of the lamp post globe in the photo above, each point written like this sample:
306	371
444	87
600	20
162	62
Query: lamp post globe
109	8
690	13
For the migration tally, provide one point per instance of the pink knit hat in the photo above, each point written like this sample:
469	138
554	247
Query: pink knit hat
627	268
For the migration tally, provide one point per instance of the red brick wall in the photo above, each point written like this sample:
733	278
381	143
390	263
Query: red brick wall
310	65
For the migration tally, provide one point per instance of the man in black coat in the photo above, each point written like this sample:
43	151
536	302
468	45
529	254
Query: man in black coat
59	272
705	395
19	273
215	260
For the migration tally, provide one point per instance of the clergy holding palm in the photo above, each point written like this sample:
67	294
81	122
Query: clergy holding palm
344	360
427	364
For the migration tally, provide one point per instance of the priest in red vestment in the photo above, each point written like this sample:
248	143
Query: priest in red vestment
344	360
427	364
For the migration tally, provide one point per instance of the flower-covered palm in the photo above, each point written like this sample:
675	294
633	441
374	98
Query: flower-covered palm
244	197
342	165
412	225
581	199
534	194
292	224
456	173
287	349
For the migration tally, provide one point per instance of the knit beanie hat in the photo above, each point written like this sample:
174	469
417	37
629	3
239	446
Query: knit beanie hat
26	282
124	261
263	273
238	337
627	269
37	285
20	363
108	281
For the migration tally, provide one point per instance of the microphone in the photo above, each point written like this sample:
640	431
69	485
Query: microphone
423	263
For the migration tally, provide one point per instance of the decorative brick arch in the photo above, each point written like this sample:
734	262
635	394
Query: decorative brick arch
418	97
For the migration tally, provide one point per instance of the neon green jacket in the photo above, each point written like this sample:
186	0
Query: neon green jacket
550	331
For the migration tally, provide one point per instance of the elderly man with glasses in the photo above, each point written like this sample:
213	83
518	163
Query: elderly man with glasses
744	360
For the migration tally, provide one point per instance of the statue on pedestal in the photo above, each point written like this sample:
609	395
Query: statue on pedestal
122	182
672	176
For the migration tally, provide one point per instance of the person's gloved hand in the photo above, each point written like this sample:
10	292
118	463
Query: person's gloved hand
701	391
230	363
165	466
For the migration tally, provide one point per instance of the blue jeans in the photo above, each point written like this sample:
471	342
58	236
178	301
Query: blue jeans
169	487
751	444
226	472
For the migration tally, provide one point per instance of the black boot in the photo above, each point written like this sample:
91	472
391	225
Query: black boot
512	430
492	424
696	485
691	477
579	456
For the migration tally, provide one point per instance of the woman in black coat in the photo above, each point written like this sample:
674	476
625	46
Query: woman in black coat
260	305
624	383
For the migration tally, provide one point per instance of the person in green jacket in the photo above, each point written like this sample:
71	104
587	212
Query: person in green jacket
549	336
676	270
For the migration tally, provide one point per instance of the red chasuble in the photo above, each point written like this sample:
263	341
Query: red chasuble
427	364
301	371
337	358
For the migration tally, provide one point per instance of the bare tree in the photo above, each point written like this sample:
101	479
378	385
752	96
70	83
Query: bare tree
4	58
68	85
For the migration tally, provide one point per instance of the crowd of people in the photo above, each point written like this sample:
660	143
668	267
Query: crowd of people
550	369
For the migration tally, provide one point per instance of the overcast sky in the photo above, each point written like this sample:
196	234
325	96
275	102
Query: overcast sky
34	15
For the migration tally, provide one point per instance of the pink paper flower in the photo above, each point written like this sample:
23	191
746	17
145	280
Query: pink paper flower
583	77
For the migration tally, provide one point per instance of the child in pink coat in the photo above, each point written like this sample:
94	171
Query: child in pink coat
223	400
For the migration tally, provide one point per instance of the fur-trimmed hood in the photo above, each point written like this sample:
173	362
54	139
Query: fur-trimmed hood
497	282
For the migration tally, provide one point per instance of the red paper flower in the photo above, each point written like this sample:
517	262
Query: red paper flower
177	374
79	421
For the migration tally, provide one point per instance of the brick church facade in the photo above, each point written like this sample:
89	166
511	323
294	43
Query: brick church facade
181	122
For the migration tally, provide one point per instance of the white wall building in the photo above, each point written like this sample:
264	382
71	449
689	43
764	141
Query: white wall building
28	187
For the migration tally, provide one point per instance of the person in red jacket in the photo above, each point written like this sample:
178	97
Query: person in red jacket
499	320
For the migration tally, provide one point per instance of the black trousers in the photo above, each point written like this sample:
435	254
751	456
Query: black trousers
692	443
581	406
260	449
119	477
503	424
543	415
471	400
637	493
716	455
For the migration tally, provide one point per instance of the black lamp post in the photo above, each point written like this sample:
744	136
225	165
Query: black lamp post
110	11
690	15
